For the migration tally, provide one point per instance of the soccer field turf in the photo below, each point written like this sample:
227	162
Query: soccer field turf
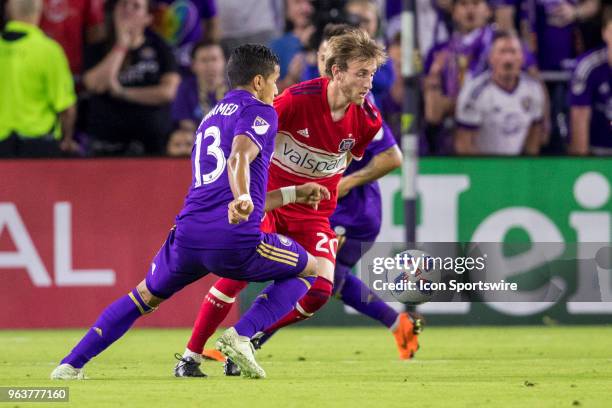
357	367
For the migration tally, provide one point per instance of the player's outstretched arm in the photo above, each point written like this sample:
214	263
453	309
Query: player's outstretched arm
381	164
309	193
244	151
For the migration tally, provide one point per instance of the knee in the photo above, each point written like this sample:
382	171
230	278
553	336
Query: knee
147	297
311	268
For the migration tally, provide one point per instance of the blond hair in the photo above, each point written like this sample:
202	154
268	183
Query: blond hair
355	45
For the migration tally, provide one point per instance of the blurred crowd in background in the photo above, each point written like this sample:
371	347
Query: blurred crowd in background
135	77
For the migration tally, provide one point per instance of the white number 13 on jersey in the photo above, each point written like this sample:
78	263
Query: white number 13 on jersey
212	150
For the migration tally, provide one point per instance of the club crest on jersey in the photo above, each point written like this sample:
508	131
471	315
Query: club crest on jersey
346	145
526	103
284	240
260	126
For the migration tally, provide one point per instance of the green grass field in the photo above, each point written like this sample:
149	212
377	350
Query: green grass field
335	367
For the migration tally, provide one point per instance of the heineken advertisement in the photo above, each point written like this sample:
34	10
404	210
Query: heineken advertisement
506	200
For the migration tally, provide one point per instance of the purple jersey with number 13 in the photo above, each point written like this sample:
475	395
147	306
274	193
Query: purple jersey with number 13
203	222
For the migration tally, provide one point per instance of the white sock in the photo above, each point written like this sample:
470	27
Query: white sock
197	357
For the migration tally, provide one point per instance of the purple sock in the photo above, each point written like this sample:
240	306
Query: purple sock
354	290
274	302
114	321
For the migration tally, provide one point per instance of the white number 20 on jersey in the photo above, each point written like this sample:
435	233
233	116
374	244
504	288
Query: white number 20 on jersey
326	242
212	150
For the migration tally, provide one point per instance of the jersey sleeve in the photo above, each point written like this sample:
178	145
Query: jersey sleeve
538	109
59	80
581	92
468	113
373	129
282	105
382	141
258	123
167	62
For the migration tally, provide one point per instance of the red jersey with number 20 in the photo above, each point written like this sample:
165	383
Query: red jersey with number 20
310	146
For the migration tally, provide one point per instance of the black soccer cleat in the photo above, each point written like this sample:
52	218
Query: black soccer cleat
231	369
187	367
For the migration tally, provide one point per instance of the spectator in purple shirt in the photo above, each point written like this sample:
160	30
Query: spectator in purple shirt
591	98
198	92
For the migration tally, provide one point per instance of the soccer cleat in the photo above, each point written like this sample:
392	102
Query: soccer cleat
187	367
67	372
212	354
259	339
241	351
230	369
407	335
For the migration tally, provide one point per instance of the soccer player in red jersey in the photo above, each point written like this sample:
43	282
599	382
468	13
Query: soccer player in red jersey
323	124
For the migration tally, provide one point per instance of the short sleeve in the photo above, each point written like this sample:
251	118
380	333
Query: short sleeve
167	62
373	129
581	93
538	110
282	105
468	113
59	80
259	123
382	141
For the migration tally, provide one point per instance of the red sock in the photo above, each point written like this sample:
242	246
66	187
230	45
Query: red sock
318	294
215	307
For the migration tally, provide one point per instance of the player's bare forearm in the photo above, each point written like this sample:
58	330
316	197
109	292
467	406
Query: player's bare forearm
380	165
274	199
308	193
243	153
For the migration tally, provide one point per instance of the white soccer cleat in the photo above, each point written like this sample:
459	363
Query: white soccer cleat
241	351
67	372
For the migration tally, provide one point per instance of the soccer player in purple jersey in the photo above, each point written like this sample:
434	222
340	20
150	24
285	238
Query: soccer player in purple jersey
218	229
357	219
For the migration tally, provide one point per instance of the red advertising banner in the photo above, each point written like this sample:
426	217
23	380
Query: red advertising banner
77	234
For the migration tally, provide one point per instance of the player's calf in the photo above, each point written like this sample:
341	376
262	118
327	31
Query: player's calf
317	295
114	321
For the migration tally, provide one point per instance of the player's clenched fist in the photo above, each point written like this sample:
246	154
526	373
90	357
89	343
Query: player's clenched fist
311	194
239	210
